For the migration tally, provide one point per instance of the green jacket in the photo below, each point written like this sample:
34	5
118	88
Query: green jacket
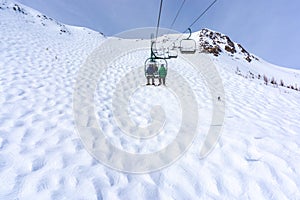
162	72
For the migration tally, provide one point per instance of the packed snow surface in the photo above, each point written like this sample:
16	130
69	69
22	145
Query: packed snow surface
42	156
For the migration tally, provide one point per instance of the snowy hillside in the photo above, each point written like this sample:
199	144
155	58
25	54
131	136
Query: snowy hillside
235	54
43	157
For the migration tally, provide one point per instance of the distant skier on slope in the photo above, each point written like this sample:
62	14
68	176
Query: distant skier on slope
162	72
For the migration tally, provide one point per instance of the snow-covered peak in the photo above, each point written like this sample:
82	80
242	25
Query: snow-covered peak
233	57
214	42
12	6
32	16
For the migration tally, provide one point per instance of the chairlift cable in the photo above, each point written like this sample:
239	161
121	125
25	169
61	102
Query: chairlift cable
177	14
201	14
196	20
158	20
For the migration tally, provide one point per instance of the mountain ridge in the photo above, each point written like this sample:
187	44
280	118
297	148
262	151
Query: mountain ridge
208	41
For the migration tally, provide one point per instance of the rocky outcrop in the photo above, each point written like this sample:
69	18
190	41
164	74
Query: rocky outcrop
215	43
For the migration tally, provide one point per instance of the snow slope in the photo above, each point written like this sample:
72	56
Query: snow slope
42	156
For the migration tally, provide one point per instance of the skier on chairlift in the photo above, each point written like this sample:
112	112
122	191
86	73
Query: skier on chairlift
150	72
162	73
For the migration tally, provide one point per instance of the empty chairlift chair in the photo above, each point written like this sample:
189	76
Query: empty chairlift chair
172	53
188	46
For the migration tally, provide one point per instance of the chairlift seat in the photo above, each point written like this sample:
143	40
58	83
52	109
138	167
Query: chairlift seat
187	46
157	63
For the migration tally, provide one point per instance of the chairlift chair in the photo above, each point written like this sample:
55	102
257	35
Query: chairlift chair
187	45
172	53
173	46
156	63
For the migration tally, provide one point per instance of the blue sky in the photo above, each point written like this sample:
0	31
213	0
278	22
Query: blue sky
269	29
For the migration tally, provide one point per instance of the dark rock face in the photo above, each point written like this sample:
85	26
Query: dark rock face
230	49
208	48
215	43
